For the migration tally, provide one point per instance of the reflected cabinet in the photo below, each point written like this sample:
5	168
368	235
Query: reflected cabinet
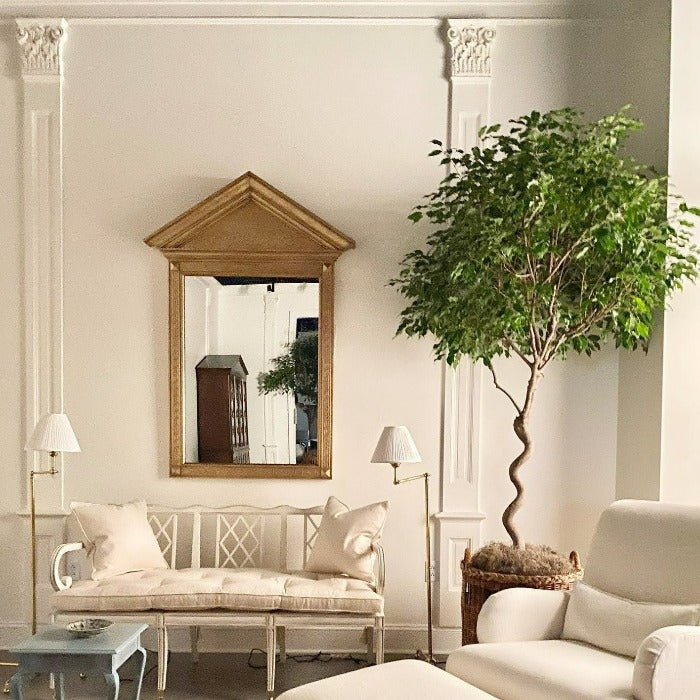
251	335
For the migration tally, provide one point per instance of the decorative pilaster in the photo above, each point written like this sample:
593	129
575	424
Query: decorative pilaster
459	520
40	42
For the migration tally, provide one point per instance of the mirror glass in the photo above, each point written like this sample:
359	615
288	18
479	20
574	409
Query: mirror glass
250	370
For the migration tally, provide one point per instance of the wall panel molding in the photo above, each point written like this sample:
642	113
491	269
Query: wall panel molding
40	42
458	524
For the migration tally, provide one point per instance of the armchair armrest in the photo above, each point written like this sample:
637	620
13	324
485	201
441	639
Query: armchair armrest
666	666
522	615
381	569
59	582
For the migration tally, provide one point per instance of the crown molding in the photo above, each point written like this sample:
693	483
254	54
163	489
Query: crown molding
391	9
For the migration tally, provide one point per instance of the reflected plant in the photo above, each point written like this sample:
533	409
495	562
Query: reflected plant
295	371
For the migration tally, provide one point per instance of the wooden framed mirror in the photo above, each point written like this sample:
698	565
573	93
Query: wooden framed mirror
251	335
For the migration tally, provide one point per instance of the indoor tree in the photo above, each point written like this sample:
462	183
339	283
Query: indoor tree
547	241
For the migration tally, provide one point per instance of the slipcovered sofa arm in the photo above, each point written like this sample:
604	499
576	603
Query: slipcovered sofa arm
522	615
667	665
59	582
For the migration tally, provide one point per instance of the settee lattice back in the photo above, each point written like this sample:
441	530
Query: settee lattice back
235	536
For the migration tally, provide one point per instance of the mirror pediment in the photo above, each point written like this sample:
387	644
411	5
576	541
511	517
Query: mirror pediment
251	334
249	216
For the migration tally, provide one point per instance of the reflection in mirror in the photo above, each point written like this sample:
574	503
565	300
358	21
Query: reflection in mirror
251	370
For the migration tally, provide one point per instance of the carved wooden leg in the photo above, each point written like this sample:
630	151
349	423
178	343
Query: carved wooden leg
194	644
379	639
162	657
282	642
112	680
271	654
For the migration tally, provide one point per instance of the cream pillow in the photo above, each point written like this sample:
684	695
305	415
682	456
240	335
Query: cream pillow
118	538
344	541
617	624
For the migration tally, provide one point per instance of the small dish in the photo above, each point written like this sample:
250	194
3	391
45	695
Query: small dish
88	627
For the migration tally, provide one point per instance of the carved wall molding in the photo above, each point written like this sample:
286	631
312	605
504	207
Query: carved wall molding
471	50
40	41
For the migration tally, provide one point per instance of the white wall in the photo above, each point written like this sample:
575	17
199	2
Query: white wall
338	115
680	474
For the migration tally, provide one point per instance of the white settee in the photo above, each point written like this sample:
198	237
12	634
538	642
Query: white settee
642	553
237	566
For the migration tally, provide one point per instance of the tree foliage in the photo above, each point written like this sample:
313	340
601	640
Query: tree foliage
546	241
294	371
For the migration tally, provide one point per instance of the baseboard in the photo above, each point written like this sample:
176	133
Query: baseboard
400	639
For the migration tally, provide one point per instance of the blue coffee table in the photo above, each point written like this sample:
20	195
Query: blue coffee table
54	650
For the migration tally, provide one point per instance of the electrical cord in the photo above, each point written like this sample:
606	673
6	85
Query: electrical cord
322	656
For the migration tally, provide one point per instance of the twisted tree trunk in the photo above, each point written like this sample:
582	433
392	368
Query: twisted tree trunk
521	428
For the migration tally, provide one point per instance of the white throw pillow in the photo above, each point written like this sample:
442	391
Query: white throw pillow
344	541
617	624
118	538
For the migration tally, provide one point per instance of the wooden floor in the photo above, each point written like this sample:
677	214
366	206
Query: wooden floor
215	676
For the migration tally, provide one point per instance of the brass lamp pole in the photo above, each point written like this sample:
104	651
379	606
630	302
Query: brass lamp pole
53	434
396	446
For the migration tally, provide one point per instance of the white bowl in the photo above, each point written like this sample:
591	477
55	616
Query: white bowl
88	627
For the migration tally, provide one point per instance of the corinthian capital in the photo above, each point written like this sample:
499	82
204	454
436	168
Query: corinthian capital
40	41
471	50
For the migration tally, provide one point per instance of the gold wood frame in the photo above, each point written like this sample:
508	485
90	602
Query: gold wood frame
210	239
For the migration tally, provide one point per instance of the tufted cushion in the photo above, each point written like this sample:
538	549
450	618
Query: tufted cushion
230	589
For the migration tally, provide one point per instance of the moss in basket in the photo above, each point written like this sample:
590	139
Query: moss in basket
530	560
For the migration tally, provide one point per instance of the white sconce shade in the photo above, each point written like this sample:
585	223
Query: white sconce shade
396	446
53	433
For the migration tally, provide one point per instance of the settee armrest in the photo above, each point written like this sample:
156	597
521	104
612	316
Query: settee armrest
60	583
666	666
380	566
522	615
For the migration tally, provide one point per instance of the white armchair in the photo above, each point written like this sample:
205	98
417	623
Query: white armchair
644	565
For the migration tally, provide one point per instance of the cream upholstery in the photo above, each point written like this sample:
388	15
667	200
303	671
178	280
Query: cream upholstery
345	537
407	680
617	624
230	589
118	538
666	665
645	552
554	669
545	618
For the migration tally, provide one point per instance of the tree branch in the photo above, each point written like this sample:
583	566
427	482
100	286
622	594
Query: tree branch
500	388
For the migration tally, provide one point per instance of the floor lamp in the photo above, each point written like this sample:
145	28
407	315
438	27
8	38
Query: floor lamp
396	446
53	434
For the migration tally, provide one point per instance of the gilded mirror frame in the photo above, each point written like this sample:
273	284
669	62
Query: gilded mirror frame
250	229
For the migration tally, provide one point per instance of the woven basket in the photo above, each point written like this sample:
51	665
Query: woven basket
478	585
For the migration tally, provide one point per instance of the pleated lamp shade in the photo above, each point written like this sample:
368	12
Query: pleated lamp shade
53	433
396	446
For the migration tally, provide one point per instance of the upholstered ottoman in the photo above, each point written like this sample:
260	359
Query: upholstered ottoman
400	680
